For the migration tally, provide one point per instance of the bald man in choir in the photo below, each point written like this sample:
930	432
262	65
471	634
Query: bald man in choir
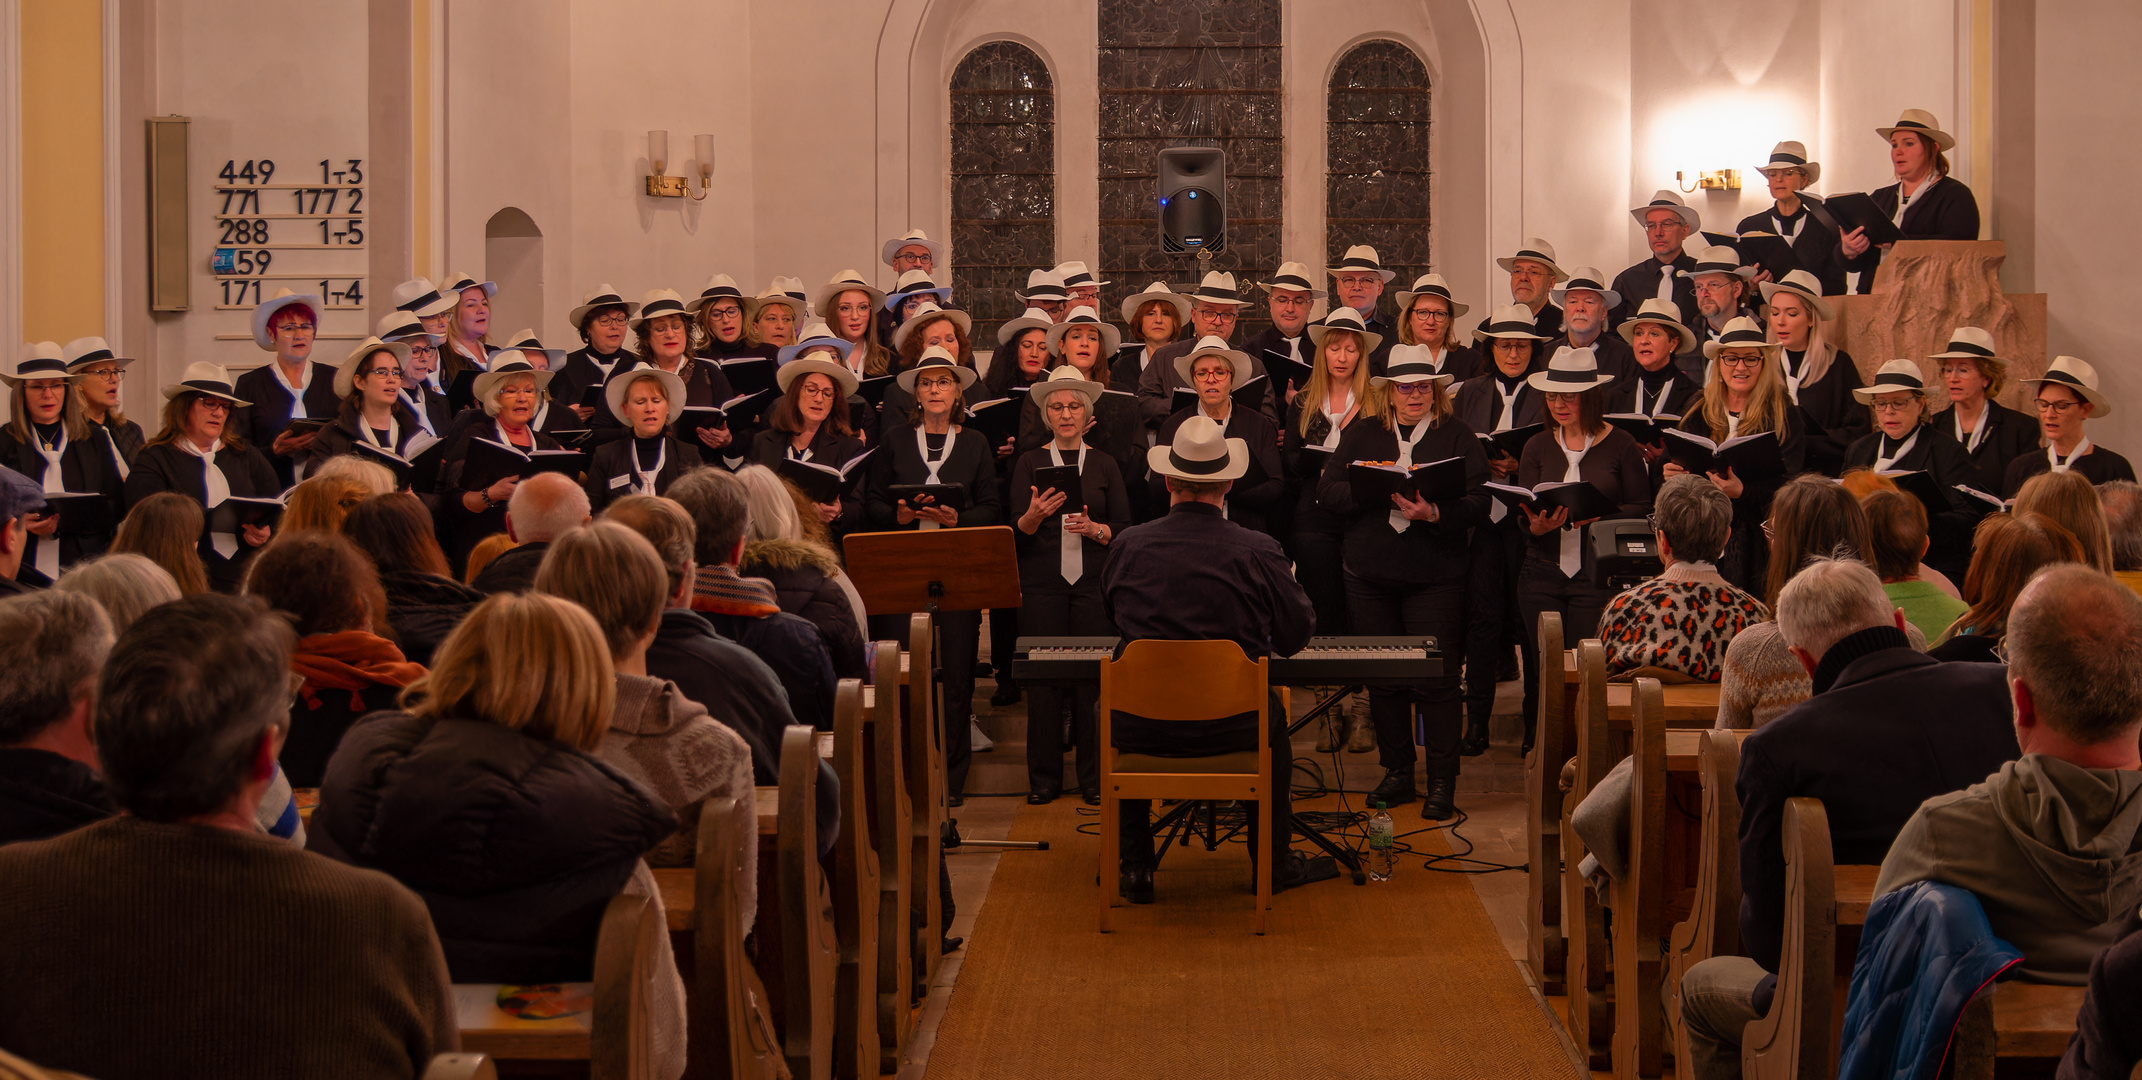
1667	223
1193	575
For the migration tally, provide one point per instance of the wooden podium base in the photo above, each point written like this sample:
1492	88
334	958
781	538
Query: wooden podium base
1926	288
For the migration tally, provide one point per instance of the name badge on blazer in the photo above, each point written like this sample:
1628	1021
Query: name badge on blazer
620	481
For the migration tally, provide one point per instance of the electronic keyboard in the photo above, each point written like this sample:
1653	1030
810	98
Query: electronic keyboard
1325	661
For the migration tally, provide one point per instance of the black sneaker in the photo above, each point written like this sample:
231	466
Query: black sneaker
1440	803
1397	787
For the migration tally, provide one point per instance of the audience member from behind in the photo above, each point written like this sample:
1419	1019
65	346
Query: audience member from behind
745	610
2122	502
805	574
127	586
165	528
480	556
1682	620
657	736
2072	502
737	687
321	503
2052	843
20	497
485	797
541	509
327	587
423	603
216	944
1896	541
1886	729
1810	518
52	645
2006	552
374	478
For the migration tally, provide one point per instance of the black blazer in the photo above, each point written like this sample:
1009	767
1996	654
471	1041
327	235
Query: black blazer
1936	454
579	371
968	460
125	437
1428	553
1614	465
2009	435
342	436
1814	245
1125	368
828	447
433	405
1640	282
1158	383
1254	498
2100	465
1116	431
1479	404
1895	729
1683	395
610	469
1830	416
165	467
85	467
461	530
1304	461
1944	210
1269	342
273	407
1106	499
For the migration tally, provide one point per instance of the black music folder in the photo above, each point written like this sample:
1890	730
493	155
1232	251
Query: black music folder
81	513
489	462
823	483
1648	430
1856	210
1583	501
1062	478
239	510
419	459
1374	482
750	374
950	496
592	396
1748	456
998	418
1509	443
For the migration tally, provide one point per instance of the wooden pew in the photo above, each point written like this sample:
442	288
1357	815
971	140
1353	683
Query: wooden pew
1544	944
2017	1029
1585	949
729	1016
889	828
809	947
926	791
612	1036
1825	905
1713	924
855	892
1639	898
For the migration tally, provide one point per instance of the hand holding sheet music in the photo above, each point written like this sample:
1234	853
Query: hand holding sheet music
823	484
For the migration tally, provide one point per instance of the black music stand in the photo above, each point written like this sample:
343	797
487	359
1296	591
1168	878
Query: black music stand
938	570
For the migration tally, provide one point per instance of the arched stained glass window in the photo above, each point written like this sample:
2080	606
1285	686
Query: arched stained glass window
1003	181
1376	192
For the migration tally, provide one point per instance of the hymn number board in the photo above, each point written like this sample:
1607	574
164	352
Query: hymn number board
272	235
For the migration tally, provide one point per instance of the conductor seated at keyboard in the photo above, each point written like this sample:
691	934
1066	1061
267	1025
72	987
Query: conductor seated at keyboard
1193	575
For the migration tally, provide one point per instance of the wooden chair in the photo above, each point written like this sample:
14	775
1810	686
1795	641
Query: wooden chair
1591	1018
809	944
1713	926
1825	905
1544	945
2017	1029
1184	680
1639	898
855	896
926	791
613	1037
890	826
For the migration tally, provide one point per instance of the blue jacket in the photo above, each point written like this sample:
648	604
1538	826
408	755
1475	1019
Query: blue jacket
1926	951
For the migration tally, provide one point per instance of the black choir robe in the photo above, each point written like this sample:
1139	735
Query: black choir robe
2009	435
125	436
968	461
1814	244
610	473
165	467
85	468
1254	500
1831	418
1429	554
432	405
274	406
1943	210
2100	466
1640	282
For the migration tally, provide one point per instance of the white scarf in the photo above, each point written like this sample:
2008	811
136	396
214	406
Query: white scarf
1789	231
1335	419
1400	522
216	489
297	392
1508	413
1886	462
1732	424
415	400
47	558
111	442
1071	558
2061	464
643	480
1978	435
1905	196
365	431
932	465
1792	378
1572	553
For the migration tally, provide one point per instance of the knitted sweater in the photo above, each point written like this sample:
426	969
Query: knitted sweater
674	749
1763	679
1681	620
131	948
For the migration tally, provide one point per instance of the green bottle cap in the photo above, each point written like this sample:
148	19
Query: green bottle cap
1379	804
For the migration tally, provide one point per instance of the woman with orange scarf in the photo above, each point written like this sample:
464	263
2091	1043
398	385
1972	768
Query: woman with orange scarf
347	670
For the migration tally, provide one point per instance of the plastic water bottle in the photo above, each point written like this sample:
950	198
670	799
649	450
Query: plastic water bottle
1381	859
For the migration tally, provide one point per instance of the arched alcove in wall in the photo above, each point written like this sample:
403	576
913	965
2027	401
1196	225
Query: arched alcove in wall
513	257
1003	168
1376	187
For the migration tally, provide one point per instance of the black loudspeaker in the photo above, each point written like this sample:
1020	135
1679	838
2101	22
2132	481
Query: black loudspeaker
1624	552
1192	183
